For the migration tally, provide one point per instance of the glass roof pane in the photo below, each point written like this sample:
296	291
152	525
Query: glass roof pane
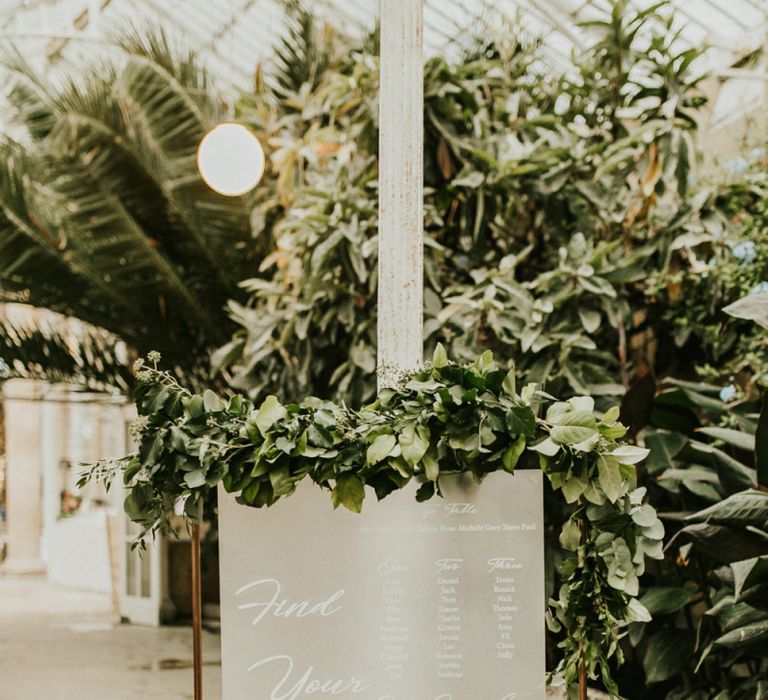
234	35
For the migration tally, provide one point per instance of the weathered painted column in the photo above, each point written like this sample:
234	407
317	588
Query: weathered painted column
22	399
401	188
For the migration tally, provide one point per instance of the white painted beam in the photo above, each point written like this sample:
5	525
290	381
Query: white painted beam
401	188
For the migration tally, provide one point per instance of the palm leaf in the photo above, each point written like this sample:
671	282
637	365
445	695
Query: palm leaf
137	127
104	216
302	54
87	358
166	117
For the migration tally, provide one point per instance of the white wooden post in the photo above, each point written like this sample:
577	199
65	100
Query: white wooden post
401	188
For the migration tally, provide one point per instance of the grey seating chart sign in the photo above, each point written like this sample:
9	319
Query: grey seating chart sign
442	600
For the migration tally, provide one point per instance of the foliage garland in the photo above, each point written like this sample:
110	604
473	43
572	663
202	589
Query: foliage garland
446	417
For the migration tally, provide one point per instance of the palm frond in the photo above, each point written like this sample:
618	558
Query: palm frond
104	216
137	128
167	111
87	359
31	260
303	53
30	97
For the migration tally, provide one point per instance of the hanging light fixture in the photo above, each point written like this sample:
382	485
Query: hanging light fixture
230	159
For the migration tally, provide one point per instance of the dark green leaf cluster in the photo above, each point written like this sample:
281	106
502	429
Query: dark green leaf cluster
707	465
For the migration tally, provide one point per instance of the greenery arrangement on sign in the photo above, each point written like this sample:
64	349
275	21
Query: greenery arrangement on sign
447	417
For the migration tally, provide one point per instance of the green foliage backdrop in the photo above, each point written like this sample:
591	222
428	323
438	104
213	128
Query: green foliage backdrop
571	228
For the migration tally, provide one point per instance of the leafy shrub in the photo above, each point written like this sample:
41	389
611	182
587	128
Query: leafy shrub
546	195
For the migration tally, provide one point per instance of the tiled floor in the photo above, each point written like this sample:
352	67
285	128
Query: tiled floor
66	645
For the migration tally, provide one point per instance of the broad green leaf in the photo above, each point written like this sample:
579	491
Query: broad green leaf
629	454
582	403
440	357
589	319
547	447
381	448
692	472
753	307
193	508
194	406
195	479
402	467
667	654
280	479
270	412
284	444
570	536
425	491
664	447
556	411
151	448
574	427
252	431
414	442
469	178
520	420
637	612
251	491
469	442
528	392
702	489
744	508
484	363
743	441
748	572
611	415
211	402
430	464
572	488
137	503
746	636
512	454
594	494
731	615
645	515
663	600
349	491
610	477
733	475
509	385
587	445
722	543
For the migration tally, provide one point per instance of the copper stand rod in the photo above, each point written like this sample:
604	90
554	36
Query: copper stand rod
197	618
582	658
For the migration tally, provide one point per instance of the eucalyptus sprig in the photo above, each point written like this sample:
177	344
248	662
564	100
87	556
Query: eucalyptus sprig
444	418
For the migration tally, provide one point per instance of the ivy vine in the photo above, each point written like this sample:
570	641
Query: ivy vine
446	417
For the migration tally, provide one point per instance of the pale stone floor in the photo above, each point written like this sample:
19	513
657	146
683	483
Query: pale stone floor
64	644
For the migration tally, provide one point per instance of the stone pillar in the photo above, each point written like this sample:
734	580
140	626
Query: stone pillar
53	450
22	399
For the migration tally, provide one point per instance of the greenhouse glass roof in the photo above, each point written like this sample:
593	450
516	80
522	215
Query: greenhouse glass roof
233	36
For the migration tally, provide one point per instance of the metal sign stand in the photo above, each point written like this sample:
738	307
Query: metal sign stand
197	616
